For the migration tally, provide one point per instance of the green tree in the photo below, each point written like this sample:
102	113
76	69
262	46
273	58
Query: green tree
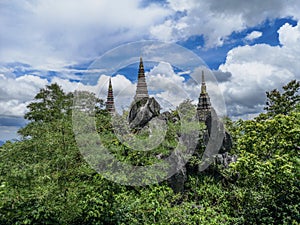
49	104
283	103
268	170
88	102
44	179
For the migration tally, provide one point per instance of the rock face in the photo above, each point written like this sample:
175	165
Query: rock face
142	112
146	109
179	159
227	141
225	159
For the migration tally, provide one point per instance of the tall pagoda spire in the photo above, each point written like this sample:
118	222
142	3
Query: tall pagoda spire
203	86
141	89
204	105
110	105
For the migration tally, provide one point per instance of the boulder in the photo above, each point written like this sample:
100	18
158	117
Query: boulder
142	111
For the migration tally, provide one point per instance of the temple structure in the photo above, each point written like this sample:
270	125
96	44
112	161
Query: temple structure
110	105
204	105
141	89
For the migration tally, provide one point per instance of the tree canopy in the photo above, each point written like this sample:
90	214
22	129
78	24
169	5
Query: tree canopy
283	103
44	178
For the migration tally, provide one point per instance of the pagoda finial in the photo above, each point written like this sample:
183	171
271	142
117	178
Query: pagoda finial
141	90
110	105
109	85
203	86
204	105
141	67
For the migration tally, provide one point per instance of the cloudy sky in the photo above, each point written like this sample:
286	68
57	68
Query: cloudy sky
250	46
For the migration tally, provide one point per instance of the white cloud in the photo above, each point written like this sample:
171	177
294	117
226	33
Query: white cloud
253	35
289	36
199	20
259	68
51	34
13	108
162	76
17	93
216	20
163	83
171	89
22	89
123	89
167	86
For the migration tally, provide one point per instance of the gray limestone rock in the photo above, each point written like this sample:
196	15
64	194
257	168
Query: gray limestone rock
142	111
227	141
177	181
225	159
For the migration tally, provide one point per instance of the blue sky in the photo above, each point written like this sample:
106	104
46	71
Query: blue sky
250	47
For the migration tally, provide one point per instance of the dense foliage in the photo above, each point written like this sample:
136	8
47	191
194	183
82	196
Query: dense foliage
283	103
45	180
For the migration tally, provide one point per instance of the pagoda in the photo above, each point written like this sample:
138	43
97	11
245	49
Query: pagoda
141	89
110	105
204	105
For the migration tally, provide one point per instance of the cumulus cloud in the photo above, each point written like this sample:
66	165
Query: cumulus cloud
162	76
163	83
289	36
253	35
52	34
222	76
170	88
252	12
166	85
15	93
123	89
216	20
197	20
259	68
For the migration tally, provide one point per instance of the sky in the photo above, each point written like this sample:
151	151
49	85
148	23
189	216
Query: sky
249	46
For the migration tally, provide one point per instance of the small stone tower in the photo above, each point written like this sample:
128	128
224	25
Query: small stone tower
204	106
141	89
110	105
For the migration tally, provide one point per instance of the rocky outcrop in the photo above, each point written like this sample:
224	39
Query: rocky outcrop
147	109
225	159
142	111
227	141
